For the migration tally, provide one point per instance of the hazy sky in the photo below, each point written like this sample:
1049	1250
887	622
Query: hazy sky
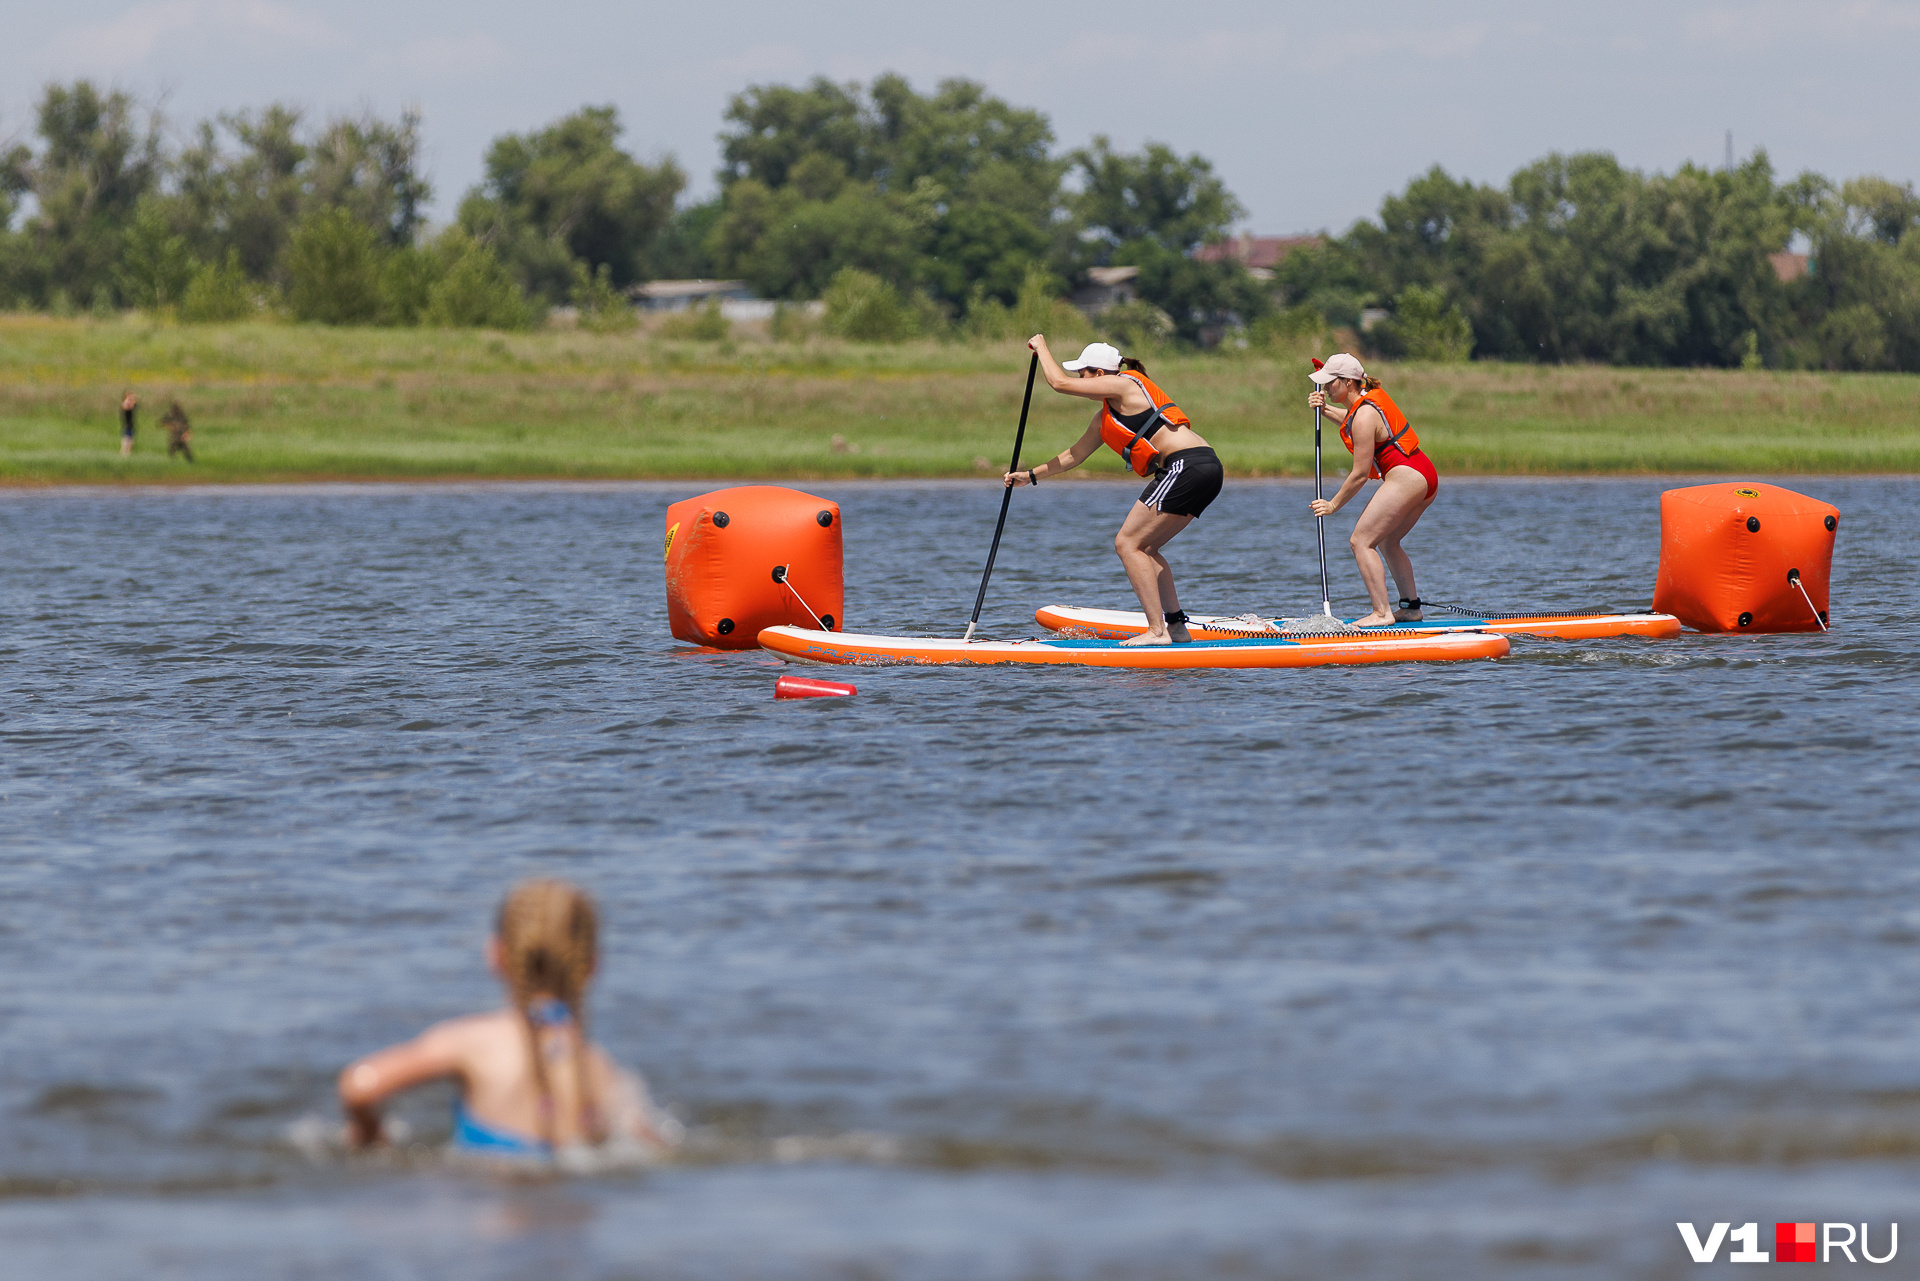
1310	113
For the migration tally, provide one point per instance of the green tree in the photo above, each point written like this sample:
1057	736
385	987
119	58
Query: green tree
1329	277
155	265
95	164
407	278
1155	195
220	292
774	127
1874	208
990	187
568	192
1152	210
333	269
1201	299
602	308
1860	307
475	290
242	184
683	250
865	308
16	180
790	246
248	178
952	193
370	168
1578	258
1426	326
1038	309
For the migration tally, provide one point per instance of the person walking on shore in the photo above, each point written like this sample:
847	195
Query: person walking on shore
179	432
1383	446
1143	425
128	403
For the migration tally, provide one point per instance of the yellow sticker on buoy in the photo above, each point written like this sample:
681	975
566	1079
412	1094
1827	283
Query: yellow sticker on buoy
1744	493
671	531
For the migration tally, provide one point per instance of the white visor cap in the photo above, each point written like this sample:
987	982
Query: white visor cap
1098	355
1340	366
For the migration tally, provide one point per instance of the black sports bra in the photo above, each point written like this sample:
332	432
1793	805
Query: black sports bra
1132	421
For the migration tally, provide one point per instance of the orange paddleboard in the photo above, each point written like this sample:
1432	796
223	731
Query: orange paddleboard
853	649
1117	624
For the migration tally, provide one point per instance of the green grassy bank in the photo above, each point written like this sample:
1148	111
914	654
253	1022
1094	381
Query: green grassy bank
283	402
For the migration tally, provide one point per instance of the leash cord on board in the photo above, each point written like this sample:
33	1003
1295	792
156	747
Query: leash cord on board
1463	612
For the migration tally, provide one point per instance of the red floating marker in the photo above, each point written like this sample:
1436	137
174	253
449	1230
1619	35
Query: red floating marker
807	687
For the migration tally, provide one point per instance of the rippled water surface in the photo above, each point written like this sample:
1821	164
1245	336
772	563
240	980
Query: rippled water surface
1478	970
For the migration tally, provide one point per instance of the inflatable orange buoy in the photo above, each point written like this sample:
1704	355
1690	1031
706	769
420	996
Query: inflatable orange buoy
808	687
1745	557
739	560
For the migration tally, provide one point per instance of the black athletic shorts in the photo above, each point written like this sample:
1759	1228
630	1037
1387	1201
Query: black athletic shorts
1185	482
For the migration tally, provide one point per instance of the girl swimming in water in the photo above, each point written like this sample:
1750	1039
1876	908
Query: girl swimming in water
531	1083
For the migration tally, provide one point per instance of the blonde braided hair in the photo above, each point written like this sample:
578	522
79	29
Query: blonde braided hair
549	943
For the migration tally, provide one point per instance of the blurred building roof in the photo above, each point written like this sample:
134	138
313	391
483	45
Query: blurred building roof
1257	253
1788	266
1106	287
674	295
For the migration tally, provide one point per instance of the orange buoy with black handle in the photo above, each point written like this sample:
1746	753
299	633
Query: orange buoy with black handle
752	557
1745	557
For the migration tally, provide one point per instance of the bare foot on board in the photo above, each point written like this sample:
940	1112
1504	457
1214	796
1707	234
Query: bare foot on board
1375	619
1149	638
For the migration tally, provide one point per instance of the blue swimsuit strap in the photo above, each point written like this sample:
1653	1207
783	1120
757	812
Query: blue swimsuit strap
471	1135
548	1012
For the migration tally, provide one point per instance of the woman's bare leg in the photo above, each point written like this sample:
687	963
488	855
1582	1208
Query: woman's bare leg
1169	596
1139	542
1402	493
1398	563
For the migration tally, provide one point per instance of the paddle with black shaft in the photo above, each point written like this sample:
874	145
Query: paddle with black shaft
1324	622
1033	367
1320	522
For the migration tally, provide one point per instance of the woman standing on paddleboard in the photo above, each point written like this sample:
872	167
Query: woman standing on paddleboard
1143	425
1383	445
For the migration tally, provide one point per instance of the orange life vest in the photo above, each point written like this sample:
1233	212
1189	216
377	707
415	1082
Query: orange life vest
1136	447
1400	433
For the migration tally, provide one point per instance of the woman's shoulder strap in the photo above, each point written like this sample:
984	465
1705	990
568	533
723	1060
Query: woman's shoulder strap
1368	401
1155	396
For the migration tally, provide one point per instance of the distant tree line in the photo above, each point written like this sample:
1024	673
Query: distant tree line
948	212
1580	259
933	211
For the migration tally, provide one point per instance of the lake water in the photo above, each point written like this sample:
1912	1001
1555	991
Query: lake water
1484	970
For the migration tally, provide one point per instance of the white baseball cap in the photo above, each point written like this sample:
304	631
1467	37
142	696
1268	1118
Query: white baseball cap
1340	366
1098	355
